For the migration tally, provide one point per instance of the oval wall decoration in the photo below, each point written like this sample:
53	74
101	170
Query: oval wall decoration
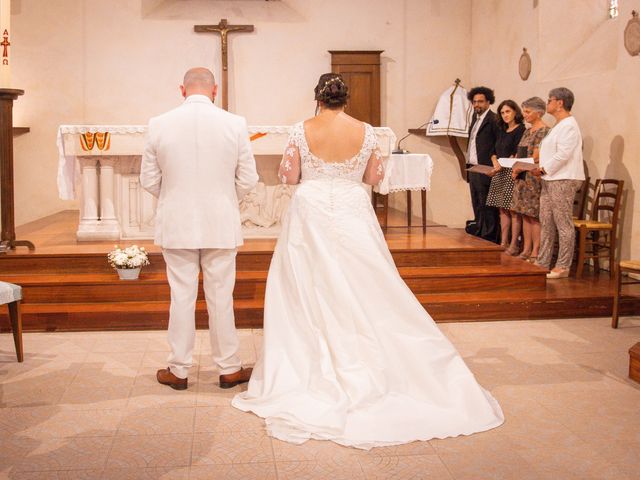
632	35
524	65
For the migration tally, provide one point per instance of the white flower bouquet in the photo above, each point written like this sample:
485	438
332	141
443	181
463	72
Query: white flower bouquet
128	258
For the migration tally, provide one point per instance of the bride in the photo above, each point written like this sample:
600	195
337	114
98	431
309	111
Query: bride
349	353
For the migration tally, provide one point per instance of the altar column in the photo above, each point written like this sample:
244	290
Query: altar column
89	208
109	226
98	220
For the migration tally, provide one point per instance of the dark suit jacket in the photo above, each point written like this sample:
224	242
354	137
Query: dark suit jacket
486	138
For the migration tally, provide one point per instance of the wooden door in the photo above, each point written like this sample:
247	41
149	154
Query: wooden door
361	72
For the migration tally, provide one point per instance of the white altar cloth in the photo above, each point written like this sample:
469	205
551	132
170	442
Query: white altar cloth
105	161
129	140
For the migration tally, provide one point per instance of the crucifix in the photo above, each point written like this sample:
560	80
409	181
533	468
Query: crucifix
5	50
223	28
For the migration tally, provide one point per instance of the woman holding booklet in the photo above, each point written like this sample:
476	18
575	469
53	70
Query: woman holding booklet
510	130
526	192
562	171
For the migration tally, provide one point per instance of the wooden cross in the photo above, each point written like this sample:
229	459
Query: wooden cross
223	28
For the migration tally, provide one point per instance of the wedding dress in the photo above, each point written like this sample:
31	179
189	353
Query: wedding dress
349	353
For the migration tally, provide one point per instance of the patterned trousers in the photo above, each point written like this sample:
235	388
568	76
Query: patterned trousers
556	215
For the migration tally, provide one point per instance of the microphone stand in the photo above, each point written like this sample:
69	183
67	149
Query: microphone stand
399	150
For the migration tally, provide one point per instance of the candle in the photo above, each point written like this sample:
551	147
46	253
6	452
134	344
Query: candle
5	43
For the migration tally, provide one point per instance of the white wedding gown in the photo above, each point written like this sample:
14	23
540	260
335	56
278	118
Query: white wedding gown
349	353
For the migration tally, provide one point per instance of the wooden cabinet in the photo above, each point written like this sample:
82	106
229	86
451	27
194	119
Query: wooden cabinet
361	72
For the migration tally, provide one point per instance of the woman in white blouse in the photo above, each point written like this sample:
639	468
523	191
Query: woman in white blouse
562	171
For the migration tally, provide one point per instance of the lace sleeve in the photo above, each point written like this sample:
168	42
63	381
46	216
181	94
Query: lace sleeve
289	171
374	172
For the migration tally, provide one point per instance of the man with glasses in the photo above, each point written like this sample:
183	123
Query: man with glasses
482	145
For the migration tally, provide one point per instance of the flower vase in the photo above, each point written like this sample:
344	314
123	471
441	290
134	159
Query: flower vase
128	273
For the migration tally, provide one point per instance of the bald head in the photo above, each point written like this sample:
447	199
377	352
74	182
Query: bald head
199	81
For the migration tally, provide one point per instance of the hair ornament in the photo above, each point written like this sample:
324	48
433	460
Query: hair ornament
329	84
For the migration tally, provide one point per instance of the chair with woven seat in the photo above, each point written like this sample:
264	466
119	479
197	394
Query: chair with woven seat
580	200
629	267
12	295
597	235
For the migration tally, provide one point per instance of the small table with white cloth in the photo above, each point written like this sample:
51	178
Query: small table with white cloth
405	172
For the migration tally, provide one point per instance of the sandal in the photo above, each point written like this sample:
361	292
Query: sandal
513	253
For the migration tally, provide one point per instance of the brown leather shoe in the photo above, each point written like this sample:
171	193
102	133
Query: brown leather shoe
232	379
165	377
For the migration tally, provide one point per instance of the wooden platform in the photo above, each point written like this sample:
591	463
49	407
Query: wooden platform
457	277
634	362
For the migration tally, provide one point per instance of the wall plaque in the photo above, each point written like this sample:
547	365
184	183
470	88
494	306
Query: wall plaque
632	35
524	65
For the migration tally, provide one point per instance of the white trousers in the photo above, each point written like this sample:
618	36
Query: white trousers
218	274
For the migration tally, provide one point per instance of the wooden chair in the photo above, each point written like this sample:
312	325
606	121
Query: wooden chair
11	295
597	235
625	266
580	200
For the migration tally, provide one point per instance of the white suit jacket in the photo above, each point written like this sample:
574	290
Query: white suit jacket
198	162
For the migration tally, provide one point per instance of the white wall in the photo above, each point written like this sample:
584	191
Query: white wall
121	61
572	44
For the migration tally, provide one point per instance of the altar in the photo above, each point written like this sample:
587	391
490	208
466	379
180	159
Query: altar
100	166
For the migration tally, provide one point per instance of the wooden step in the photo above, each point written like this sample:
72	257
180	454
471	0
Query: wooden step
96	263
121	316
92	263
457	277
76	299
484	256
112	278
98	288
153	286
249	313
516	305
473	279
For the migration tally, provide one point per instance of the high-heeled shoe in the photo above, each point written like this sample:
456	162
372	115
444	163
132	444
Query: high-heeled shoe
512	251
524	256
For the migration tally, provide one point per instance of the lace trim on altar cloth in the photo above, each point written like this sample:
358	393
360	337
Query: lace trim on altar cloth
124	129
404	188
117	129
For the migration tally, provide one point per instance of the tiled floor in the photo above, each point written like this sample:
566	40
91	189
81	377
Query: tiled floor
87	406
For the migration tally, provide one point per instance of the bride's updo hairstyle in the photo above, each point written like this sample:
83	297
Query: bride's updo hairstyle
331	91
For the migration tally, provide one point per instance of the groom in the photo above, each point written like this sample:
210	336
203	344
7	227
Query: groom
198	162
